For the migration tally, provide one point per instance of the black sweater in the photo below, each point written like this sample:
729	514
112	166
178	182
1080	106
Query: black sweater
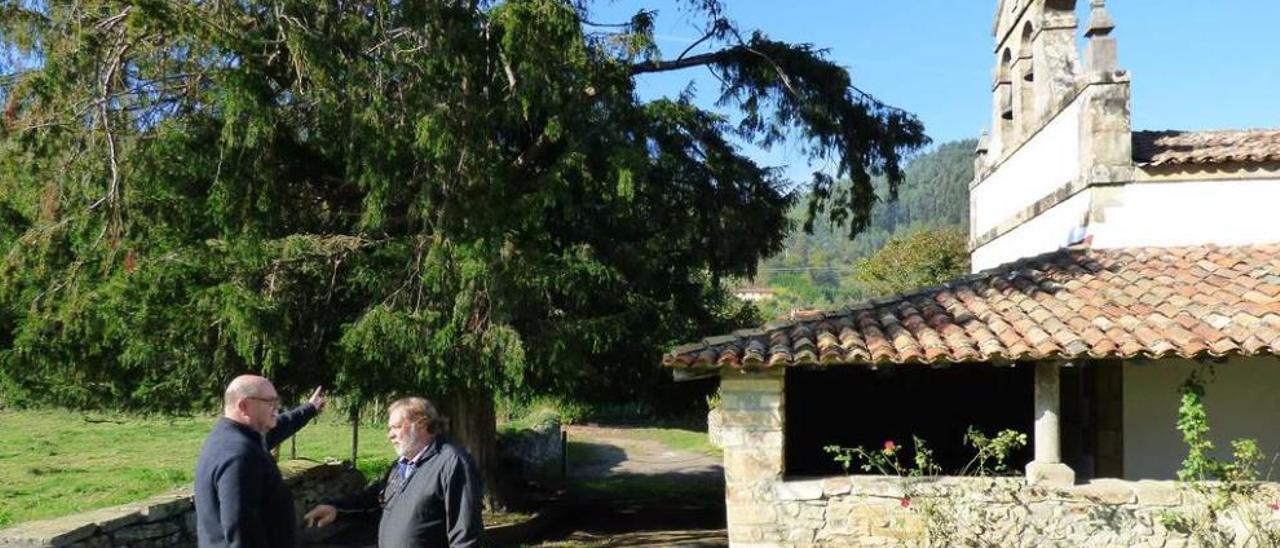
438	507
241	500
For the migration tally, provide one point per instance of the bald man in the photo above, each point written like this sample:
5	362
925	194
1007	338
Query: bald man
241	500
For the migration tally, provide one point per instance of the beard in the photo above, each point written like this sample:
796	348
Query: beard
411	441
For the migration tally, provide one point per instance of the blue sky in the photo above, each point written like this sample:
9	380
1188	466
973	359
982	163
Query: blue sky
1194	64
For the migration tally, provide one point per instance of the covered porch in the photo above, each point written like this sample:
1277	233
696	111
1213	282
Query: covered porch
1082	349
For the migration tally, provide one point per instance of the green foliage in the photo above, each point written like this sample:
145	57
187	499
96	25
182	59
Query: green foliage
714	400
919	258
1193	423
1228	486
57	462
534	414
991	456
949	520
817	270
390	197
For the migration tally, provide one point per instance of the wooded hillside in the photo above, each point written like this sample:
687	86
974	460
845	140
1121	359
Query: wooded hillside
817	271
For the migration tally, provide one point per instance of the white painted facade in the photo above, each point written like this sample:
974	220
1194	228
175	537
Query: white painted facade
1046	232
1241	400
1048	161
1162	214
1149	213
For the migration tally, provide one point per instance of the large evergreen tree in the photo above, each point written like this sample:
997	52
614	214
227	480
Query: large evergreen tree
444	197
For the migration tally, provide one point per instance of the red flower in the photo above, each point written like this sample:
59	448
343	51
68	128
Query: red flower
905	502
890	447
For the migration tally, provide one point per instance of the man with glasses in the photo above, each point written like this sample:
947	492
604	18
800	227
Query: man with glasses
431	495
241	499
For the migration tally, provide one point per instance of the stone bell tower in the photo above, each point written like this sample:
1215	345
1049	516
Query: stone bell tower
1059	125
1062	166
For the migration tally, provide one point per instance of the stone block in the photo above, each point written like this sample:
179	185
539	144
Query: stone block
799	490
878	486
869	517
839	485
903	526
1106	491
739	492
1157	493
751	383
110	519
97	541
751	400
169	541
744	534
813	512
741	466
752	419
744	439
753	514
800	537
145	531
839	518
165	506
52	532
1050	474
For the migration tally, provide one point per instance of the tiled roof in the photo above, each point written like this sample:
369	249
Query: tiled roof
1154	148
1073	303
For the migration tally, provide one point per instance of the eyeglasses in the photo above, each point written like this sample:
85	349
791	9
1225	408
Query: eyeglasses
269	401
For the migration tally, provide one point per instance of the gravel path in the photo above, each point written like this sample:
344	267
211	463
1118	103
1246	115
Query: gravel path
686	508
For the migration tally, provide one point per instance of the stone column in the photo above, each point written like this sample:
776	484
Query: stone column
751	406
1047	468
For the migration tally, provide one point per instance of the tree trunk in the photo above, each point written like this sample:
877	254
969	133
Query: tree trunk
472	425
355	434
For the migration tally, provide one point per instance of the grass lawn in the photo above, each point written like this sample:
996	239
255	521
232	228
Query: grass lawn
677	439
55	462
680	439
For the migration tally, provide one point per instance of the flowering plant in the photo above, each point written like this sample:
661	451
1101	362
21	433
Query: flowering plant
886	461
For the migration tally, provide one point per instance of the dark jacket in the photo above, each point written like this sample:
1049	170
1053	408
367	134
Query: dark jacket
241	500
438	506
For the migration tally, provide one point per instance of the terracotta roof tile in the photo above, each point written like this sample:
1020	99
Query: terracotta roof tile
1154	148
1068	304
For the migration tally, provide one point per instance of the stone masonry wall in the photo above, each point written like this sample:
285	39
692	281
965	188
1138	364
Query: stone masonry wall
715	427
169	519
536	452
765	510
955	511
751	417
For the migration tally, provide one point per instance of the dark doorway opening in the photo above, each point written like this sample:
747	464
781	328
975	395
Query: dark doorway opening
857	406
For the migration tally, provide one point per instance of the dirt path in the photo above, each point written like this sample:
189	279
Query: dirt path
613	451
636	491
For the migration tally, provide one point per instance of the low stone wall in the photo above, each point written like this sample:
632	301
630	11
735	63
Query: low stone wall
169	519
534	452
958	511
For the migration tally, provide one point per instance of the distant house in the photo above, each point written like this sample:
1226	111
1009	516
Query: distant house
1109	265
753	293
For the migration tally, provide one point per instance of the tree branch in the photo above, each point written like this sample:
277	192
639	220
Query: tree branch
694	61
